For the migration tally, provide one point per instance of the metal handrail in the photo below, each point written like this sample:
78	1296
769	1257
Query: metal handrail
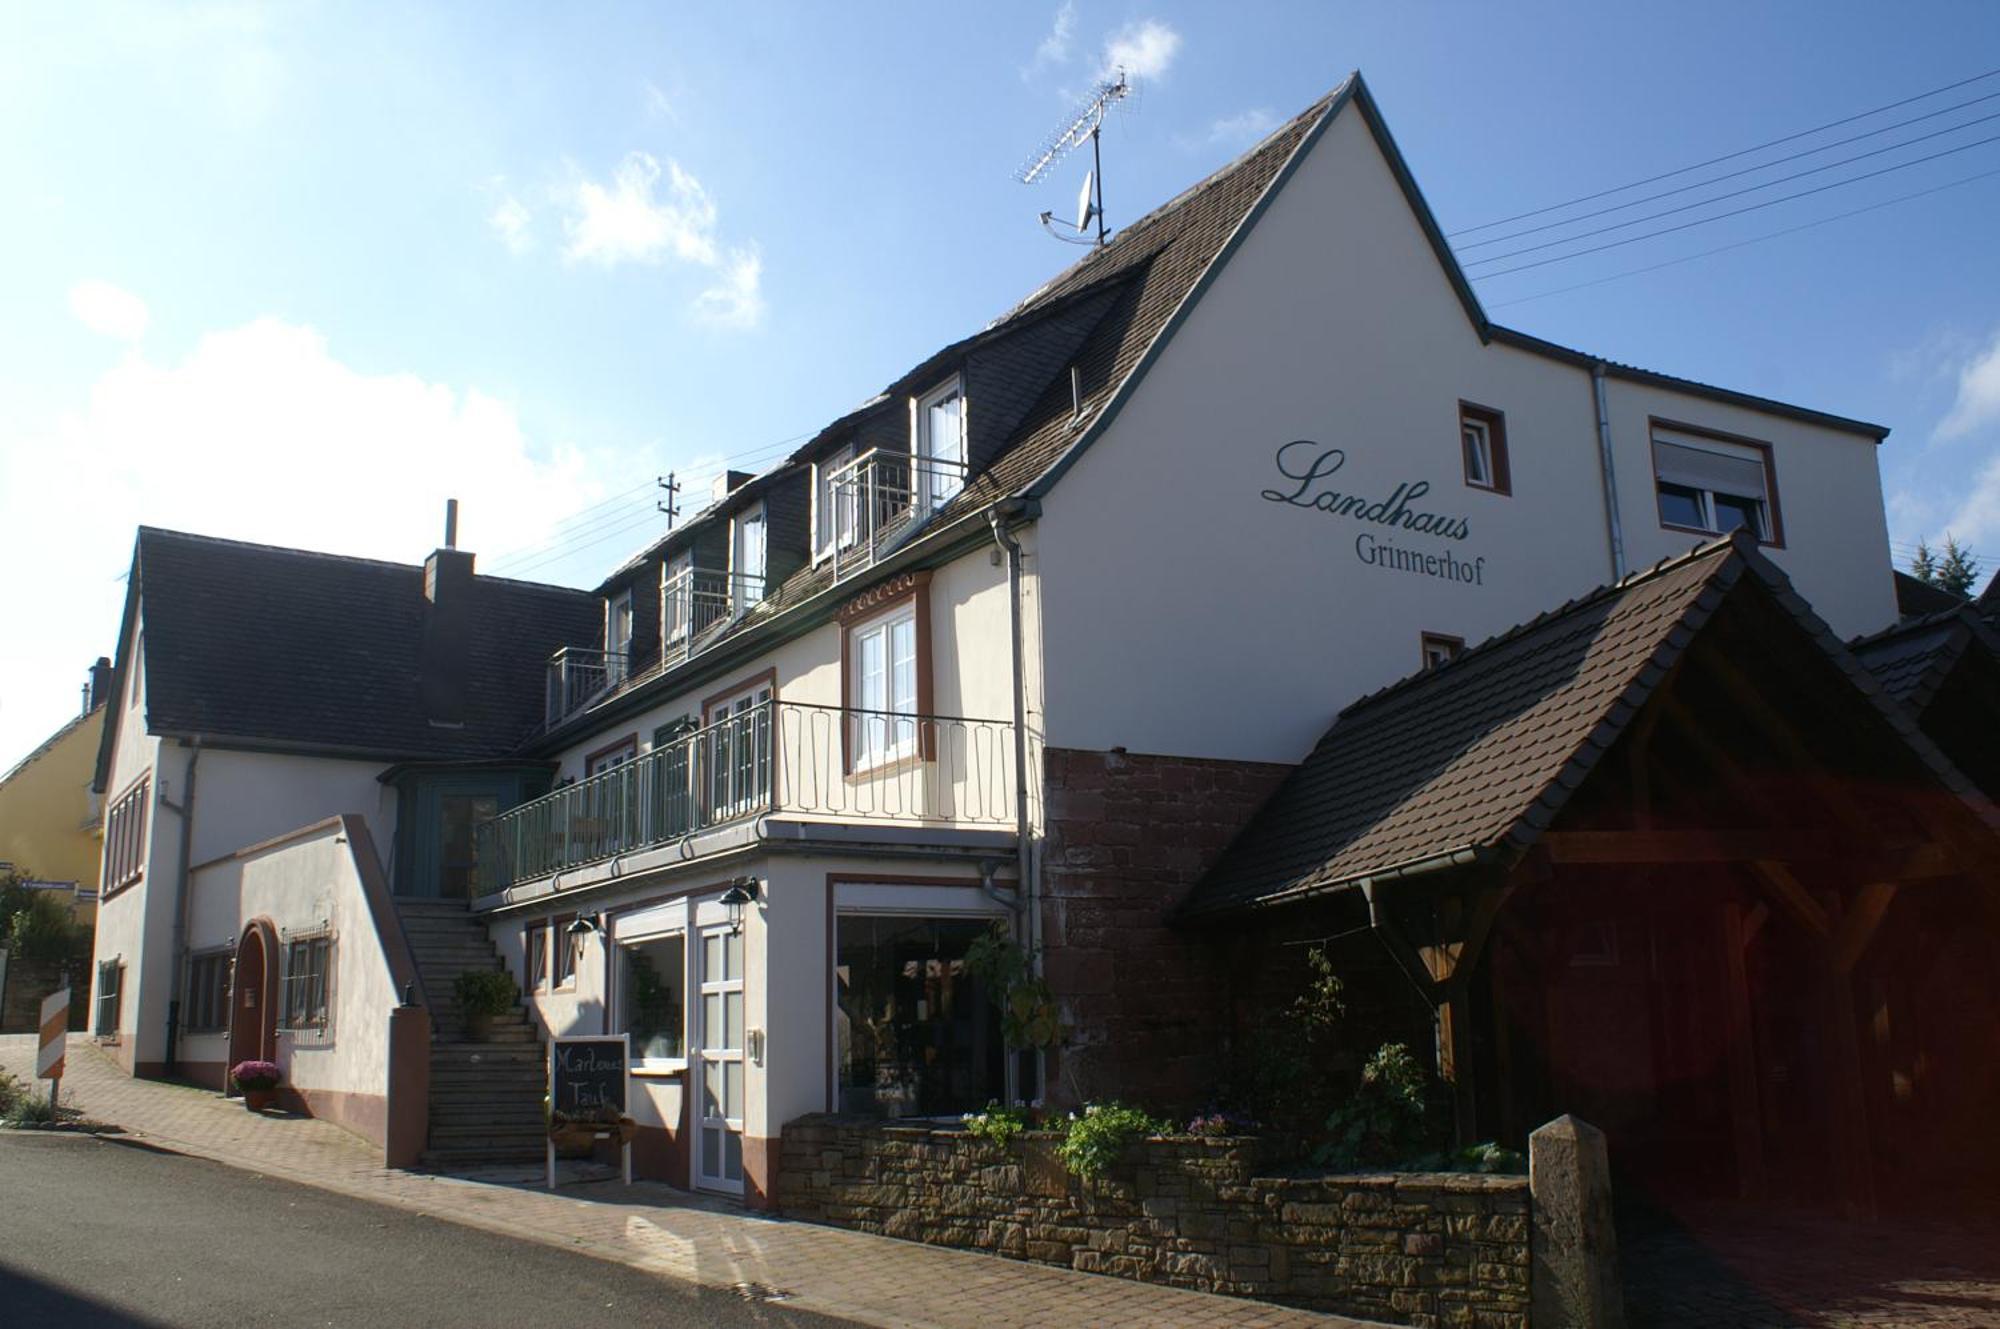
880	498
578	675
815	762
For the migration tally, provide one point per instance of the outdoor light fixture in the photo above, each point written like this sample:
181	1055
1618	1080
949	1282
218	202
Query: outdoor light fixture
583	925
741	892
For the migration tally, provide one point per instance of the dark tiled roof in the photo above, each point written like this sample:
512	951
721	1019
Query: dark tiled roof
1474	759
1915	598
314	652
1912	660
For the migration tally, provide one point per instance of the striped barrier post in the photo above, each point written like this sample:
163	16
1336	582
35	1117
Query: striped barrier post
55	1029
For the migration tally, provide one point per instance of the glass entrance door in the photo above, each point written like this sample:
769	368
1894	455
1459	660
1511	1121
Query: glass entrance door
718	1063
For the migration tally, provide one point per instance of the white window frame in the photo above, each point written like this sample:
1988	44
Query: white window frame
676	627
619	1015
721	764
1477	442
1764	528
746	588
618	653
881	737
706	1062
932	488
826	526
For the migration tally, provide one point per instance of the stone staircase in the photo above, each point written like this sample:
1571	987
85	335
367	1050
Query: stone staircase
486	1096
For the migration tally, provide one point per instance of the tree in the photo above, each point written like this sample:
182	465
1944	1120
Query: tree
1957	571
35	925
1924	566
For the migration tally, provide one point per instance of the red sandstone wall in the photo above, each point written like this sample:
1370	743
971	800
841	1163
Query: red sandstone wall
1126	836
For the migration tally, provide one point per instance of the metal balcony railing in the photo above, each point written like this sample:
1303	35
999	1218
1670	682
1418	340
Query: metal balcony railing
696	604
578	675
815	763
880	498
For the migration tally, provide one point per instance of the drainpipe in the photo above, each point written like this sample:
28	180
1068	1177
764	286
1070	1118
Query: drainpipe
1025	894
1610	469
182	892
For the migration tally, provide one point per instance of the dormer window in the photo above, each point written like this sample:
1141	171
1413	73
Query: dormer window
939	446
617	637
676	598
836	507
746	564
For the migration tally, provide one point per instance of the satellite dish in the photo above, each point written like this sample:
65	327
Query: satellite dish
1084	210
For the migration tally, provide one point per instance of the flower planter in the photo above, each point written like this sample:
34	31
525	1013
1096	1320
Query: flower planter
258	1099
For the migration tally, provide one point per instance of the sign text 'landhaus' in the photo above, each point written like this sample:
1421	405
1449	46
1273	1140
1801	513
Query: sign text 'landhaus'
1308	467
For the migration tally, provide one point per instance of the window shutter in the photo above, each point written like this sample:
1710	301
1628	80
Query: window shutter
1704	468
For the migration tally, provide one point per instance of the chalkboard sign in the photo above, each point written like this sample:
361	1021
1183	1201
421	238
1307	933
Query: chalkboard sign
587	1078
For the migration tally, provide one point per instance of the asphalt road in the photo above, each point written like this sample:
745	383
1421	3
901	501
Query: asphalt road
100	1234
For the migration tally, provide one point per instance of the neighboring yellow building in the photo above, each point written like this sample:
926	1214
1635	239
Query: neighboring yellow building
49	819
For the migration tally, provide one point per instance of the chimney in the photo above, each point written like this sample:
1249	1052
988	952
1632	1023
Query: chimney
729	482
445	650
98	690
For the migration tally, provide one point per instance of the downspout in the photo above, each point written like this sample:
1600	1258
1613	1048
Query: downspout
1025	894
182	893
1612	527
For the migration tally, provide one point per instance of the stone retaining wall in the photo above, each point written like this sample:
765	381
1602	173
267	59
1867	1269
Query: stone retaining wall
1423	1249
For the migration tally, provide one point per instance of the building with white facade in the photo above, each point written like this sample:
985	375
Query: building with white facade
1025	639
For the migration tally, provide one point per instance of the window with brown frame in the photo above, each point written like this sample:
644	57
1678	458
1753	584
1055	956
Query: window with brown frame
538	955
1711	483
110	998
885	668
208	991
125	837
1482	442
563	949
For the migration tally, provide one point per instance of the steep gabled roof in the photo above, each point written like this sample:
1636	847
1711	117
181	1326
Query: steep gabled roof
1473	760
1915	599
285	649
1913	659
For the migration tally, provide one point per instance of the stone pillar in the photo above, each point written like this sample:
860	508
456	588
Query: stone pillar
1574	1282
408	1126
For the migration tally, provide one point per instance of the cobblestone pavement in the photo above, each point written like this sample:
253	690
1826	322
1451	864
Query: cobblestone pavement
1723	1268
872	1280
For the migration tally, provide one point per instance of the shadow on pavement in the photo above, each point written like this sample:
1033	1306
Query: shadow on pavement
30	1300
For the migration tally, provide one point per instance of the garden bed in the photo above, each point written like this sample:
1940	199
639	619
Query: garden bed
1412	1248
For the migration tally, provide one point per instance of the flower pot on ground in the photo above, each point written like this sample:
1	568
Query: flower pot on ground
257	1081
482	995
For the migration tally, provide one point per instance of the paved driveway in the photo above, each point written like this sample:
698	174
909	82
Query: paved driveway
1725	1268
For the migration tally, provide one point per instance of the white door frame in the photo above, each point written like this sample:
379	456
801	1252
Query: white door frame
708	1064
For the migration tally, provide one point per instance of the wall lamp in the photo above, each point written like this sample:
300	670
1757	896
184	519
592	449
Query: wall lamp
583	925
741	892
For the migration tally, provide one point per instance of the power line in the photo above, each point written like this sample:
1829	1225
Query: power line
1753	240
1763	166
1720	216
1727	156
559	555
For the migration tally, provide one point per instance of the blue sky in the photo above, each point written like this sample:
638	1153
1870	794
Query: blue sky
298	273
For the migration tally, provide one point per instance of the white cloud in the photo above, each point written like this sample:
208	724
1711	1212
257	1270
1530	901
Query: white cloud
622	222
258	433
108	310
1977	406
1241	129
658	104
737	299
1144	50
626	221
1055	48
511	221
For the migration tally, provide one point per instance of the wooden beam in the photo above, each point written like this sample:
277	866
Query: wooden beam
1854	1153
1857	929
1797	900
1746	1116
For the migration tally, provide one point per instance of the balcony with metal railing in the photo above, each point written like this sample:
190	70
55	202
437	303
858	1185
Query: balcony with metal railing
579	675
880	499
829	765
697	605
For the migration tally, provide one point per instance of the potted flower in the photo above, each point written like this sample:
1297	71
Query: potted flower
483	994
258	1081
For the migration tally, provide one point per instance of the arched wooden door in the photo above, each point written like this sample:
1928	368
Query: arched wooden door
253	1017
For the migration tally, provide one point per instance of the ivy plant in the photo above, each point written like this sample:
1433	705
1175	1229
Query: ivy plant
1029	1017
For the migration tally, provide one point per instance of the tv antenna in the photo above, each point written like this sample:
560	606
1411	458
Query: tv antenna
1084	125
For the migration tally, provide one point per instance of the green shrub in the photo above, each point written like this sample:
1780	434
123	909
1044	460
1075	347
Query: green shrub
486	992
1486	1157
998	1124
1292	1069
28	1112
11	1092
39	928
1387	1118
1029	1017
1093	1141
